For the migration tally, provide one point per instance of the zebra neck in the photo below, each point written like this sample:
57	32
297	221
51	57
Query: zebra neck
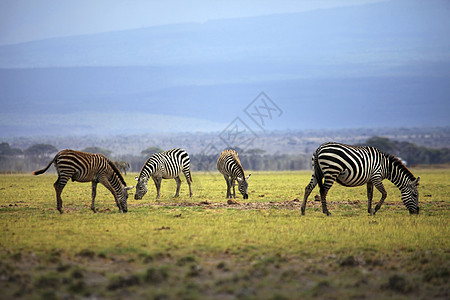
116	183
239	172
398	174
147	171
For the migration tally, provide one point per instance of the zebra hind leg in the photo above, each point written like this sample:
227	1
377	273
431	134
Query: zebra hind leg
188	179
178	181
383	192
323	196
59	185
328	181
309	188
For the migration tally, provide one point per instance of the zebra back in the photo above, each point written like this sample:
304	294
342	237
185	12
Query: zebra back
168	164
360	163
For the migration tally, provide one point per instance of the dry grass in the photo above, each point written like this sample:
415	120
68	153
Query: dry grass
204	248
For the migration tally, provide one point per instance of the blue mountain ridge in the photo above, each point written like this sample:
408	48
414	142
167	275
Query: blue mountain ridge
383	64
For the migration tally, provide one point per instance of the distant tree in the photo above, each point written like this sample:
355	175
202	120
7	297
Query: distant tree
151	150
99	150
382	143
255	151
239	150
410	152
5	149
40	150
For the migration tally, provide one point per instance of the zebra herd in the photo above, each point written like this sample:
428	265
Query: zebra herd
348	165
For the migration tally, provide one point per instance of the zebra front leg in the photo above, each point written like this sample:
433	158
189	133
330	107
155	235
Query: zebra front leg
110	188
94	192
234	185
380	187
178	181
308	189
369	196
157	185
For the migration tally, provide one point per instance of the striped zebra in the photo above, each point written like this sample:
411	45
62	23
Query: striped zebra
164	165
122	165
354	166
84	167
230	166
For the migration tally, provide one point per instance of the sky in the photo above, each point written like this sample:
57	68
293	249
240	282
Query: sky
375	63
29	20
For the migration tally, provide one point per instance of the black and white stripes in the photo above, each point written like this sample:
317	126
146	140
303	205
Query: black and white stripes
230	166
85	167
354	166
164	165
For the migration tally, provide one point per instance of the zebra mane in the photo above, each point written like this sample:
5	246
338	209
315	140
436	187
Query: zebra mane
116	170
397	163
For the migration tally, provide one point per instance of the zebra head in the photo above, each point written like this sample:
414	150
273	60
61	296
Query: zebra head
141	187
123	198
243	186
410	196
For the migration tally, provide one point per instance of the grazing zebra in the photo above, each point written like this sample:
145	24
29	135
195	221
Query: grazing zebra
84	167
122	166
164	165
230	166
354	166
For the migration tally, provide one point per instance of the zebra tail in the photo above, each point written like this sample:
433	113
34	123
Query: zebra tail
45	169
317	171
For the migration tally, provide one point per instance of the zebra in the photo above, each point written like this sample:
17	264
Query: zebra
164	165
122	166
354	166
230	166
84	167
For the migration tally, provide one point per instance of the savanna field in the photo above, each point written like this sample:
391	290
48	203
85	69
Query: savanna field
205	248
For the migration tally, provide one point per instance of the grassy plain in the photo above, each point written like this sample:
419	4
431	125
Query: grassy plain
204	248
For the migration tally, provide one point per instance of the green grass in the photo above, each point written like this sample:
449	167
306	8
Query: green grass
204	248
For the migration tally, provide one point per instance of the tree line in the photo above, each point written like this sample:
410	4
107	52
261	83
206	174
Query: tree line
409	152
14	160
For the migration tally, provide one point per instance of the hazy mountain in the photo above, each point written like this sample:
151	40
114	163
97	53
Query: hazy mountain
384	64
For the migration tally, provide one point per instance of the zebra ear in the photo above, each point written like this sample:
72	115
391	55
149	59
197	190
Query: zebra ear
416	182
246	178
